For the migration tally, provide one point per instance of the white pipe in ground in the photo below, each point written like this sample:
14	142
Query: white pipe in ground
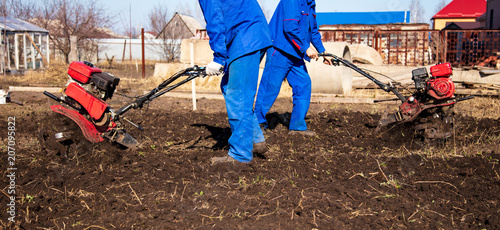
331	79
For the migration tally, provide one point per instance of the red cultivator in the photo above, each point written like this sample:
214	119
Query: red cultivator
427	106
84	101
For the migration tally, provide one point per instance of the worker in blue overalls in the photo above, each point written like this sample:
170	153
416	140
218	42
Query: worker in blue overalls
293	28
239	36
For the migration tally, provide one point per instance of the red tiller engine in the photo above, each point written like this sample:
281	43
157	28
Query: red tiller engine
440	86
86	93
90	87
430	91
100	84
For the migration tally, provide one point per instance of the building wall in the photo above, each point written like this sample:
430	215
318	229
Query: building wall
121	49
176	29
493	15
440	23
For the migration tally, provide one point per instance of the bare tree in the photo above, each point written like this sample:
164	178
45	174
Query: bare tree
131	32
170	31
416	12
127	28
436	43
67	18
18	8
158	19
440	6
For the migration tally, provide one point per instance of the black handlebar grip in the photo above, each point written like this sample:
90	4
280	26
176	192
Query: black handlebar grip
52	96
124	109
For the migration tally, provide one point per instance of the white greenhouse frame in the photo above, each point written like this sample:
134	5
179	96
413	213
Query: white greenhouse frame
23	45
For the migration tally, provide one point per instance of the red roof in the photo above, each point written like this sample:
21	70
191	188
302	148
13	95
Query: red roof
462	9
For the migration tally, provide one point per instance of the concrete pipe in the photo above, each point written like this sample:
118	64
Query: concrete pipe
331	79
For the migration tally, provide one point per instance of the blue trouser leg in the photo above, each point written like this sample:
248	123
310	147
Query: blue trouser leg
299	80
239	85
277	67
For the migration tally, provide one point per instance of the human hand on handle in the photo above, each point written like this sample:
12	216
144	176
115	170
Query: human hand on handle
312	53
213	68
328	60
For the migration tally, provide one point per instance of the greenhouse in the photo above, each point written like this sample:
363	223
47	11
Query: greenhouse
23	45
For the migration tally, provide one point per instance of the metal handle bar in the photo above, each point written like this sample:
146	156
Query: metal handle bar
192	72
383	86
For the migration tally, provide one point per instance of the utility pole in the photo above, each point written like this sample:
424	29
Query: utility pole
143	56
130	37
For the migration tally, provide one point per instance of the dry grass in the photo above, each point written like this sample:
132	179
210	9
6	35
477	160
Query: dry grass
480	107
54	75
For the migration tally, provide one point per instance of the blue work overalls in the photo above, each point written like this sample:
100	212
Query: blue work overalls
239	35
293	28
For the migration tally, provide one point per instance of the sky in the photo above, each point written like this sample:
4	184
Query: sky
136	11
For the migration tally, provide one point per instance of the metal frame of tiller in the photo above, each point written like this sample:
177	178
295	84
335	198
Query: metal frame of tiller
410	108
96	131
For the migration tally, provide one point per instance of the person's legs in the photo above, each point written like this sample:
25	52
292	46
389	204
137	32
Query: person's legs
299	80
258	137
239	86
277	68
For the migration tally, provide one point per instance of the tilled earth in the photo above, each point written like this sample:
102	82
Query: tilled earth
346	177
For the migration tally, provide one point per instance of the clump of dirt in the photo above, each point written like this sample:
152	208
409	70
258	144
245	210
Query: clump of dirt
346	177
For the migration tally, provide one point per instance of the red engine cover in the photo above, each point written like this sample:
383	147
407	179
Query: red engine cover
94	106
441	70
441	88
81	72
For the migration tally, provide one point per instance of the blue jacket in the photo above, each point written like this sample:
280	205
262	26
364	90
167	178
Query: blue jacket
293	28
235	28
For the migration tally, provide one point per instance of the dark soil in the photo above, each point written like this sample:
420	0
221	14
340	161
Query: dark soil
347	177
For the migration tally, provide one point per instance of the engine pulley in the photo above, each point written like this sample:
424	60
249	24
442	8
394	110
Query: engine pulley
441	88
